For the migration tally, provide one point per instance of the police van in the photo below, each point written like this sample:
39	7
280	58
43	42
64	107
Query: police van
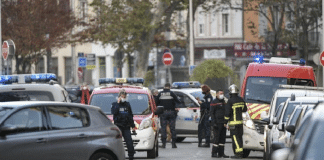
188	111
32	87
147	124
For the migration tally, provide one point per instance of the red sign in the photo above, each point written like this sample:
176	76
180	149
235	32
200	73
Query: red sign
80	72
5	50
322	58
167	58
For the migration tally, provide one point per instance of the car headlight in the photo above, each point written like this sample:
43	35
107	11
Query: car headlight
247	121
146	123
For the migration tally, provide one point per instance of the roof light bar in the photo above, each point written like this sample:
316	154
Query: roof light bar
194	84
258	59
8	79
120	80
46	77
300	87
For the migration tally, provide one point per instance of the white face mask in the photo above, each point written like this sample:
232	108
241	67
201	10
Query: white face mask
221	96
123	99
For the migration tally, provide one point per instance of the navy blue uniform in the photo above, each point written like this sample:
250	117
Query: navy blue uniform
217	111
204	124
168	100
123	118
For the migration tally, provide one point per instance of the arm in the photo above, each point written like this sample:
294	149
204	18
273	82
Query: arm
212	110
227	112
131	115
158	99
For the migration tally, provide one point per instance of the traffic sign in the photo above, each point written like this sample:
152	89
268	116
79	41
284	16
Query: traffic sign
80	72
82	62
5	50
167	58
322	58
191	68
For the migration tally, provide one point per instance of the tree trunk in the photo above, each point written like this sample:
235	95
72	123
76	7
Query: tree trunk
49	59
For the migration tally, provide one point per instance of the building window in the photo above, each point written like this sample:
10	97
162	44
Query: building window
225	24
201	28
83	10
102	67
201	22
40	65
54	66
68	69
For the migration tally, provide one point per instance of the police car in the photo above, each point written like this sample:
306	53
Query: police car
143	107
32	87
188	111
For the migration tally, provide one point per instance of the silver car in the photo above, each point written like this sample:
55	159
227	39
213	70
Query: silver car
57	130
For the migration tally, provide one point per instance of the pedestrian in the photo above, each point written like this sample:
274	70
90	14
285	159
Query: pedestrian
217	111
85	96
169	135
123	118
204	124
168	100
233	115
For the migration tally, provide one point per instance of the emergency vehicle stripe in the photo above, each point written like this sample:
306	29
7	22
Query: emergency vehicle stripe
238	149
257	110
258	113
251	106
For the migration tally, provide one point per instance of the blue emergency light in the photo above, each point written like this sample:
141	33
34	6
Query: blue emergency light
186	85
120	80
258	58
8	79
46	77
302	62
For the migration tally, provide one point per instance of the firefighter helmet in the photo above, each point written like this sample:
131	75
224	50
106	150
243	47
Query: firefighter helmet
233	89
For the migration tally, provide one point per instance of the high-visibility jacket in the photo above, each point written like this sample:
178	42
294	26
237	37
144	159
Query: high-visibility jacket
234	109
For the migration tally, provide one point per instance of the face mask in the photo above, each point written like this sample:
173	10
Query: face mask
221	96
123	100
203	92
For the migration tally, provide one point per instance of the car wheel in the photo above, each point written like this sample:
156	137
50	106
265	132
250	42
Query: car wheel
102	156
246	153
180	139
152	153
157	148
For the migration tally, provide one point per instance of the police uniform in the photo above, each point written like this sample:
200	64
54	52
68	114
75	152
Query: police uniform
217	111
123	118
168	100
233	115
204	124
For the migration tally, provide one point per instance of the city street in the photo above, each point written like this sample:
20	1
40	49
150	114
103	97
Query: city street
188	150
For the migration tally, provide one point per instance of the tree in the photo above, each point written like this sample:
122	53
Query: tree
211	69
34	26
149	78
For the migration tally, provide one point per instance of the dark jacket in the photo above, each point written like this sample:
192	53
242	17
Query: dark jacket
205	106
167	99
122	114
155	100
217	111
234	109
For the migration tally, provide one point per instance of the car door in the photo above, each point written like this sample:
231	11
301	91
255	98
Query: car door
69	132
29	140
188	116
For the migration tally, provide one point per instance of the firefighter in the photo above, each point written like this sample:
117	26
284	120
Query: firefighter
233	115
123	118
168	100
217	111
204	124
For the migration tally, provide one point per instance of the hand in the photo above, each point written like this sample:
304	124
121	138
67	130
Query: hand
118	100
133	129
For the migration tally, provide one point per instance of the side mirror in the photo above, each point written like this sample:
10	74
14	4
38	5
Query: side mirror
266	120
7	129
281	127
159	110
264	115
281	154
73	97
275	120
291	129
277	145
270	126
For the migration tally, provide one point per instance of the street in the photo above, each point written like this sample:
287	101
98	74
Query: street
188	149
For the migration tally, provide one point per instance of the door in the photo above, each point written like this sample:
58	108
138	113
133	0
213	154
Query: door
69	132
30	140
188	116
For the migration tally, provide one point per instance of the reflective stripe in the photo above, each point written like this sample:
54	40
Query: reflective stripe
238	149
166	97
235	122
215	145
227	118
221	144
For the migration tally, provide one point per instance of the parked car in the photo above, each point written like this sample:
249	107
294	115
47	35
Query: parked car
57	130
310	142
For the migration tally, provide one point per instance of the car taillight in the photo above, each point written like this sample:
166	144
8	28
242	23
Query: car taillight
119	134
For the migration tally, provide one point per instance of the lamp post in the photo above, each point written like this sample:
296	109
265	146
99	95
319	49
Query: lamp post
168	38
191	33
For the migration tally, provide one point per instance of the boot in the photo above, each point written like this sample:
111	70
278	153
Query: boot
130	158
214	151
221	152
174	144
199	143
162	146
236	157
207	145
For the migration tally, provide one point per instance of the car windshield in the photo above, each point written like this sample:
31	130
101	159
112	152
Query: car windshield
315	147
279	110
198	94
139	102
253	93
289	109
4	111
294	117
26	96
279	101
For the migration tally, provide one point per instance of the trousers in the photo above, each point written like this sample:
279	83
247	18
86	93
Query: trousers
128	139
204	129
237	139
168	117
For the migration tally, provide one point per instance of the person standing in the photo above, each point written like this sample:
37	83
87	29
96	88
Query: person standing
233	116
217	111
204	124
123	119
168	100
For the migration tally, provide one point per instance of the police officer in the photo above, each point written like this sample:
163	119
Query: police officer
168	100
233	115
217	111
204	124
123	118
